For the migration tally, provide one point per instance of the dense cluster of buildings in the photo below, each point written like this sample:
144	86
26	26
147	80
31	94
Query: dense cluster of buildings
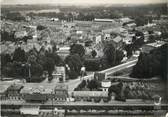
76	31
33	92
119	32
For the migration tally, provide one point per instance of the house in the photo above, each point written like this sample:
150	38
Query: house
130	26
59	73
104	20
117	30
61	92
54	19
41	93
51	113
29	110
63	52
125	20
37	93
105	84
96	96
3	89
150	46
98	39
20	34
117	42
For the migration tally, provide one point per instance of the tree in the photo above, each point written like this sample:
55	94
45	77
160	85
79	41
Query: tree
164	30
112	55
137	40
141	21
49	65
92	64
40	27
5	58
93	84
117	89
15	16
109	52
81	86
94	53
8	70
19	55
36	71
57	59
8	36
150	65
77	49
75	64
129	49
119	56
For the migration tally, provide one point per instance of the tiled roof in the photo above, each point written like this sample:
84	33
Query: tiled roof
117	39
4	87
42	88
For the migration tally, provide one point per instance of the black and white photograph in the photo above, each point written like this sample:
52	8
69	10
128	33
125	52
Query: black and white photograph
84	58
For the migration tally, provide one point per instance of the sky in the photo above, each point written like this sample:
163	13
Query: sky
82	2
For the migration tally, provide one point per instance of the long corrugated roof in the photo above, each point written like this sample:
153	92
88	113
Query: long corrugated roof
90	93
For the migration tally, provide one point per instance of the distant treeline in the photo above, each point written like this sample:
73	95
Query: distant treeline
76	13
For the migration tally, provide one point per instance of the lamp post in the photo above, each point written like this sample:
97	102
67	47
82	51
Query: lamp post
29	65
52	93
157	105
83	69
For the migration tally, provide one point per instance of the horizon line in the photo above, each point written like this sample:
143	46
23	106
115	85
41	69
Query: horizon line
86	4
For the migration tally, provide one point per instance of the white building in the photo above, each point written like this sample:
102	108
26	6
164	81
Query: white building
98	39
125	20
63	52
104	20
54	19
105	85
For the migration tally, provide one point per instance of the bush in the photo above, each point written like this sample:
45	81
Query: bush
73	75
40	27
92	64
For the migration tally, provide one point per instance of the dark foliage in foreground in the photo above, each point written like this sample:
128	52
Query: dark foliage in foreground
152	64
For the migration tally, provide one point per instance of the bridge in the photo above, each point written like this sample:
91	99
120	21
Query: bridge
74	83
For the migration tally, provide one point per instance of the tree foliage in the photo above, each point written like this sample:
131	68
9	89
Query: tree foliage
94	53
77	49
112	55
19	55
34	61
8	36
93	84
75	64
15	16
150	65
40	27
92	64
